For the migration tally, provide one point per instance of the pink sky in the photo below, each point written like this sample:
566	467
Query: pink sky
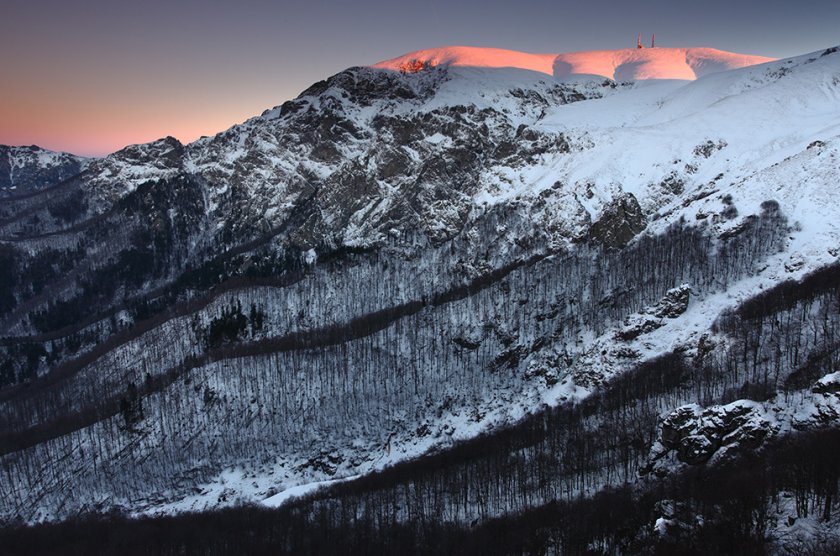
91	76
101	121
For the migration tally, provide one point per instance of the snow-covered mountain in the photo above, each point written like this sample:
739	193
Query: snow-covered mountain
25	168
630	64
416	257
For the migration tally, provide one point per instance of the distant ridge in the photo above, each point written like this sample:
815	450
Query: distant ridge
629	64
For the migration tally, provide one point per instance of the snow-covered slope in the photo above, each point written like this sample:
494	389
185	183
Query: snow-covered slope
470	56
621	65
23	169
397	261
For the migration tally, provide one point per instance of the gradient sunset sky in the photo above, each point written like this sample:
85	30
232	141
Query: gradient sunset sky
90	76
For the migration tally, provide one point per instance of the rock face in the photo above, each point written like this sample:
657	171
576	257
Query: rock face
398	261
673	304
694	435
619	223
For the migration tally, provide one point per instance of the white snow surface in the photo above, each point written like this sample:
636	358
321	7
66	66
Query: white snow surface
629	64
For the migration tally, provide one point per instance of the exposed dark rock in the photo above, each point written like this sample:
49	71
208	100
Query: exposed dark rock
706	149
696	434
620	222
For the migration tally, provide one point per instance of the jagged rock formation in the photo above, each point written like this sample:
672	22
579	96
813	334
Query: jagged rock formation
694	435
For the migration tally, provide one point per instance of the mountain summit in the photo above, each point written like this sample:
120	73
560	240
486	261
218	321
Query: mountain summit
629	64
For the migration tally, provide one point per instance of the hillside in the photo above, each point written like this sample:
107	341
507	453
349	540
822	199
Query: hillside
503	288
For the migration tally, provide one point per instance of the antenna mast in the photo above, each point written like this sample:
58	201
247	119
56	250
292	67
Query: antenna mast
653	40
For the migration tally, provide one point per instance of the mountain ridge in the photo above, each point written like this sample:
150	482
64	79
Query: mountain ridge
630	64
25	169
540	240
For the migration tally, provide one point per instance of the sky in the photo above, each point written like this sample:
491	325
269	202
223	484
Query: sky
91	76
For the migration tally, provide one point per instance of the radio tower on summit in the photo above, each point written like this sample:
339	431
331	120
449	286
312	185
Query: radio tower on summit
652	41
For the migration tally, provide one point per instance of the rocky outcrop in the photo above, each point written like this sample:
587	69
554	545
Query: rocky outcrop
619	223
694	435
673	304
697	434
